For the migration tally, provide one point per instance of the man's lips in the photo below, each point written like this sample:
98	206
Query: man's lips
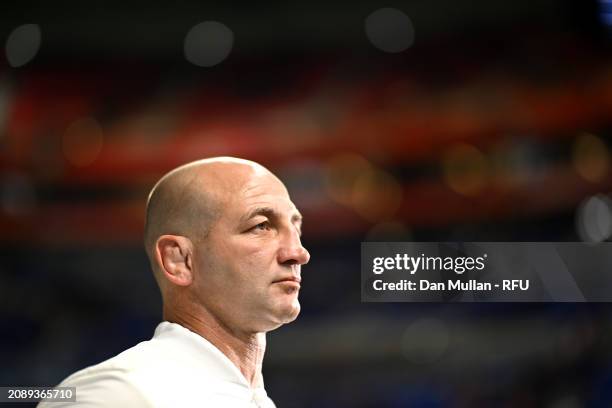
295	279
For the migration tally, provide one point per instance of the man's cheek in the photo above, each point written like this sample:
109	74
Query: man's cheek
255	248
252	264
251	250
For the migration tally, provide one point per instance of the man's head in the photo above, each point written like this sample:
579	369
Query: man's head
223	238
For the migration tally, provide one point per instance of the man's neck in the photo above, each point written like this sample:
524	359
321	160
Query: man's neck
245	350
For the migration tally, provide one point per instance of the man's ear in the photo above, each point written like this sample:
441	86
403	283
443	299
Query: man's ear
173	254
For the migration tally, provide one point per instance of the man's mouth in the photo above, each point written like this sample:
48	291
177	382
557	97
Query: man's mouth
295	280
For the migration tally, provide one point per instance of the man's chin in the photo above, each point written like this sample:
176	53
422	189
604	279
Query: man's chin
295	311
287	313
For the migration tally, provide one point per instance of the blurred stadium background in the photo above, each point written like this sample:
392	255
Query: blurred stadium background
422	121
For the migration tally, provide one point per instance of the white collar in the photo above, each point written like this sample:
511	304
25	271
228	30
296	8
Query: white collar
197	347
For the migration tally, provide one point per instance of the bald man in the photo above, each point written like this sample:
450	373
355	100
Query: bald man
223	239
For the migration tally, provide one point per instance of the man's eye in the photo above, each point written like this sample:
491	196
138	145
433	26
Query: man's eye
262	226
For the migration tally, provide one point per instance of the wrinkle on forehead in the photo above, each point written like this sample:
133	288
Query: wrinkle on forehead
263	184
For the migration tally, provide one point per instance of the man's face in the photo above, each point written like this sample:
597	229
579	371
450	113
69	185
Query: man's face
248	267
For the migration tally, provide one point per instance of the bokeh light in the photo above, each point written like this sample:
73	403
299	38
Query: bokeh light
23	44
208	43
594	219
471	132
591	158
342	173
377	195
465	169
389	30
371	192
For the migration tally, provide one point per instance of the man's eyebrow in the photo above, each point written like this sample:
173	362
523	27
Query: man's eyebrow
297	218
266	211
270	213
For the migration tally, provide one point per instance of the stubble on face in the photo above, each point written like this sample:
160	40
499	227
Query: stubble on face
238	267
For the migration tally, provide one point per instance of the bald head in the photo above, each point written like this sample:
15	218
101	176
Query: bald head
188	200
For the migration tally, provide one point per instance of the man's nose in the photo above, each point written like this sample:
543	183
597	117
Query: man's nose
291	251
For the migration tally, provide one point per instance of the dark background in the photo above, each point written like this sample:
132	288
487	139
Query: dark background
426	121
